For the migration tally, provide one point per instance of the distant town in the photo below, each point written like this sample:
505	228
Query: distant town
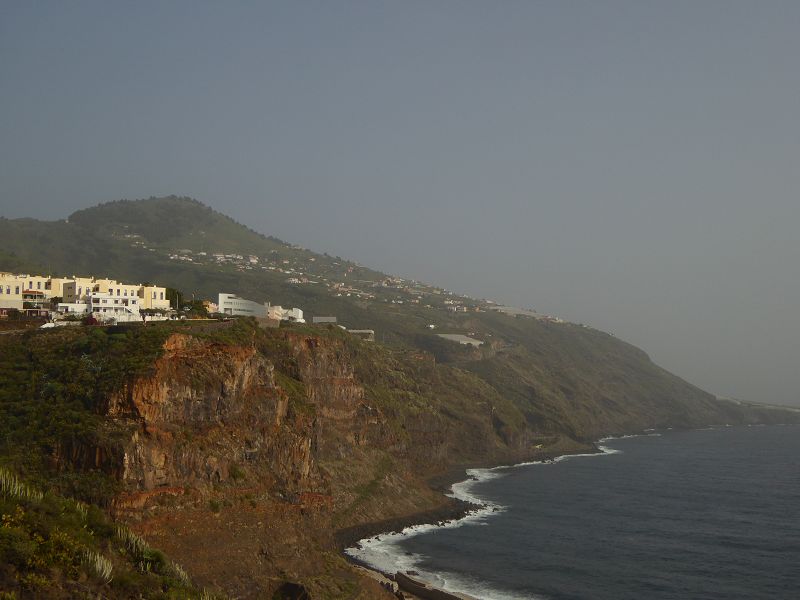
305	271
74	300
88	300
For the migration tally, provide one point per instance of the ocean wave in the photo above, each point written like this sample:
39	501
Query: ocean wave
384	553
475	588
647	433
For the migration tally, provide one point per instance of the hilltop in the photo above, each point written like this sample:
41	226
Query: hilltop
249	455
564	377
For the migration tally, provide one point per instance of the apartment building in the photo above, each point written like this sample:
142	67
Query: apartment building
105	306
33	294
149	296
29	293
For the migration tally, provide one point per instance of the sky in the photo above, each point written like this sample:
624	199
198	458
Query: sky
628	165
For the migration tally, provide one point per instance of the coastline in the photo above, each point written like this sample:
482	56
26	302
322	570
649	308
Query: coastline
454	512
482	583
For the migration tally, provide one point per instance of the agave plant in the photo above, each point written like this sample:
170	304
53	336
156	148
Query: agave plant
181	575
82	510
12	487
132	542
99	564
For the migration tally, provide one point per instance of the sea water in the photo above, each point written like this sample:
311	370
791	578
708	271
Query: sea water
674	515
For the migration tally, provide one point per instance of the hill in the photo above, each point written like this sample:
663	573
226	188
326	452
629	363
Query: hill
249	455
564	377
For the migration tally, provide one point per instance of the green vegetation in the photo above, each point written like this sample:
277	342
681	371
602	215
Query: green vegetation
550	377
427	402
175	223
51	546
54	384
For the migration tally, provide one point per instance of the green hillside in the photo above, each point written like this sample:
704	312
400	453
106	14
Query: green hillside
563	377
379	418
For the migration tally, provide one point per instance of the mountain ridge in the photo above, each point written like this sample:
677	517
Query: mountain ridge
178	241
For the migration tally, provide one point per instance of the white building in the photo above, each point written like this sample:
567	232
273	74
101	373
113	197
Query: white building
323	320
464	340
285	314
106	298
231	304
105	307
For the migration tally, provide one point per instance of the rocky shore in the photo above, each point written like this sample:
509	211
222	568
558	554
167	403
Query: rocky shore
455	509
405	585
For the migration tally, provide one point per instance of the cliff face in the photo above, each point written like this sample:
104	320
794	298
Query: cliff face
219	448
240	452
206	412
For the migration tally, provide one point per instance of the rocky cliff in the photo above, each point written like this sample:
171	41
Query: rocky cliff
241	460
241	451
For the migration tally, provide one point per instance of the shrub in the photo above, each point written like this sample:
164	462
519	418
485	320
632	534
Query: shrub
16	547
236	472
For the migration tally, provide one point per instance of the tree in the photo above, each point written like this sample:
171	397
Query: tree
175	298
196	309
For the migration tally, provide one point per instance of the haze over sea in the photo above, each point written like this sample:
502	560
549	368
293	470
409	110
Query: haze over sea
697	514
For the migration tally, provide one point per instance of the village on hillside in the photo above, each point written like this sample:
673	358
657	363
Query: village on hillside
339	277
75	300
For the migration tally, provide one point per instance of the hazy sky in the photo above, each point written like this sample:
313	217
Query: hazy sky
631	165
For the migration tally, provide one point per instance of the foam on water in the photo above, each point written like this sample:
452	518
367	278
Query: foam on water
384	553
620	529
475	588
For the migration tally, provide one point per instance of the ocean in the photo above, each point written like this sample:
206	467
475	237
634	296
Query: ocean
712	514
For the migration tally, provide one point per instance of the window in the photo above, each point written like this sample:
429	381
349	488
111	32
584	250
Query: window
80	291
16	290
126	293
38	285
162	295
154	295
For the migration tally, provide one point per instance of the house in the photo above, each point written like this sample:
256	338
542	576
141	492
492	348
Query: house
154	297
11	288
